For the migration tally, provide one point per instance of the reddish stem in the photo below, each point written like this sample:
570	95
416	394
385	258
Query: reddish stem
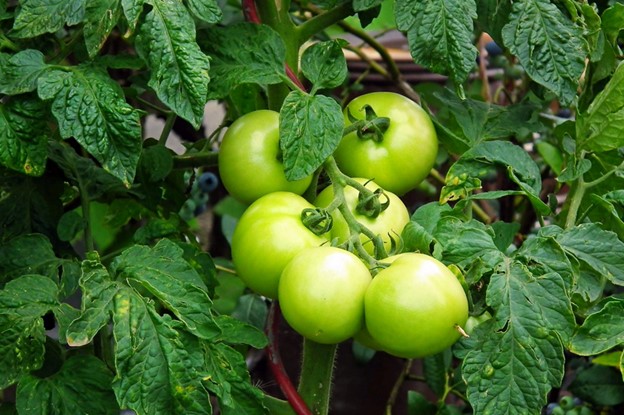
276	366
294	78
250	11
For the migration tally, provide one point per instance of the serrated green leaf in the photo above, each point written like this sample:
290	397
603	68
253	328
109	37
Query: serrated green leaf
235	331
155	372
24	135
511	369
132	10
548	45
82	385
600	385
36	17
84	173
324	64
101	16
28	254
600	249
601	331
464	176
90	107
439	34
243	53
310	130
179	69
21	347
206	10
163	273
21	71
472	121
98	293
29	297
492	15
600	128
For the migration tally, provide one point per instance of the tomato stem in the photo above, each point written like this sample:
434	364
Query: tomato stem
316	375
277	367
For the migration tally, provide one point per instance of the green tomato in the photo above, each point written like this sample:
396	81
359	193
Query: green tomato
389	223
249	162
413	306
267	236
404	157
321	294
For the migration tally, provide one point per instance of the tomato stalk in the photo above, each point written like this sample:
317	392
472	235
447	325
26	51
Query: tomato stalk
316	375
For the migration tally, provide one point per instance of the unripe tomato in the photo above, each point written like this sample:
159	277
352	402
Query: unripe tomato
390	222
321	294
267	237
249	158
412	307
405	155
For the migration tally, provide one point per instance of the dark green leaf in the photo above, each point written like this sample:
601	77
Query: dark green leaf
70	224
155	163
235	331
575	169
179	69
435	370
244	53
36	17
359	5
101	16
504	234
601	331
324	64
519	362
600	249
29	297
464	176
28	254
549	46
251	309
82	386
21	71
492	15
417	404
440	34
92	180
24	135
21	347
90	107
132	10
310	130
166	275
157	228
155	372
206	10
600	385
600	128
607	210
612	21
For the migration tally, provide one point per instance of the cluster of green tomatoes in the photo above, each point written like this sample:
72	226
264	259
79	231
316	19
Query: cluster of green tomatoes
338	283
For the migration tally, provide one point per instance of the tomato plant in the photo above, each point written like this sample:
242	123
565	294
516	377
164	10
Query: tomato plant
142	244
414	307
321	294
249	163
269	234
400	157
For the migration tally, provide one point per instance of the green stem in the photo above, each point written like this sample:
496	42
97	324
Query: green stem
164	135
316	375
6	43
86	215
201	159
322	21
277	406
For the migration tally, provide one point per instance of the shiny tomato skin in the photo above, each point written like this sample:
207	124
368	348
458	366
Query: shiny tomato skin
414	306
267	236
249	162
389	223
405	156
321	294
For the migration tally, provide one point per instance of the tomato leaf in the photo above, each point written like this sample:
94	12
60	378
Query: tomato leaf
310	130
132	10
599	385
600	128
518	356
179	69
324	64
24	135
601	331
82	385
548	44
242	54
464	176
492	17
20	72
169	278
101	16
89	106
36	17
28	254
205	10
440	34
